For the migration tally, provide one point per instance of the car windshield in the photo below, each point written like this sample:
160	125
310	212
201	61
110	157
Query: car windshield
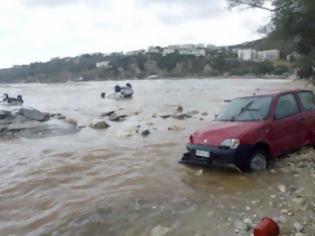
246	109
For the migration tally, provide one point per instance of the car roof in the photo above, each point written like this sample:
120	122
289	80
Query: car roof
274	93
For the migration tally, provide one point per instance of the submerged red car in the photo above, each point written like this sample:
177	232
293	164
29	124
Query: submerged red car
250	131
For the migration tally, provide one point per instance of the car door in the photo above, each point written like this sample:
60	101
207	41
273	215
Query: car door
307	101
287	130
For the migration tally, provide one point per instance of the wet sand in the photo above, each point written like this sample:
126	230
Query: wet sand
101	182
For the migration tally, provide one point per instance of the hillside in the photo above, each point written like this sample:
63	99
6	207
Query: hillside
116	66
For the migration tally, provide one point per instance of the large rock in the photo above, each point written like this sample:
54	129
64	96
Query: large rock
33	114
5	115
180	109
31	123
100	125
181	116
145	133
108	113
117	117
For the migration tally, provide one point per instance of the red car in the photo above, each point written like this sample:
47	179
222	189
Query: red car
250	131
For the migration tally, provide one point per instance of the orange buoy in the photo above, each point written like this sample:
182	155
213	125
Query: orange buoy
267	227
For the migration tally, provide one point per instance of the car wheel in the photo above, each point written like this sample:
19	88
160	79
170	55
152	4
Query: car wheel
258	161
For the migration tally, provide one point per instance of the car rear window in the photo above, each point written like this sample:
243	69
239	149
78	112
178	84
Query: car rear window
286	107
308	100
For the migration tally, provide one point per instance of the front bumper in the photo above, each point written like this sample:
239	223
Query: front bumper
218	156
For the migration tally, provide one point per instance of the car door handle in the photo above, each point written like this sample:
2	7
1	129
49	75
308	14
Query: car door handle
302	119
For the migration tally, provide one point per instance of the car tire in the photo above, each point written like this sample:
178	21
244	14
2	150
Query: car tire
257	161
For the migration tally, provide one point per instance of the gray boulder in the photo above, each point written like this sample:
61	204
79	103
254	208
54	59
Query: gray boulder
145	133
117	117
109	113
100	125
33	114
5	115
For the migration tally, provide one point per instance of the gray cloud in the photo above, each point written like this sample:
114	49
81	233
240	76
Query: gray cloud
55	3
181	11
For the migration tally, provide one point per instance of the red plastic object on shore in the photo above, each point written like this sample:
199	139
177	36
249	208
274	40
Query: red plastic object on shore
267	227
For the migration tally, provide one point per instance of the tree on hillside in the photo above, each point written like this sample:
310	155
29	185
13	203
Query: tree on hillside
292	20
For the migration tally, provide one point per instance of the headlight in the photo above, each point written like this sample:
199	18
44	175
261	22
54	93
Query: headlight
230	143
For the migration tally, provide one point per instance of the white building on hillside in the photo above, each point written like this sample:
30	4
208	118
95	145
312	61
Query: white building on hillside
102	64
192	51
247	54
269	55
253	55
153	49
167	51
211	47
134	53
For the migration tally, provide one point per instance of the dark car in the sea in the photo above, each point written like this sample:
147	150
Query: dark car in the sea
250	131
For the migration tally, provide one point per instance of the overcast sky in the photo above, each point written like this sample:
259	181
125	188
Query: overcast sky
37	30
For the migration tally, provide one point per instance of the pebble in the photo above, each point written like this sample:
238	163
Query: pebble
282	188
159	231
145	133
241	226
180	109
248	221
199	172
273	171
282	219
298	227
299	201
194	112
175	128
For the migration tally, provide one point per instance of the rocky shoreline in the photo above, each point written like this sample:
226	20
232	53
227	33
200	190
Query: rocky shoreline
31	123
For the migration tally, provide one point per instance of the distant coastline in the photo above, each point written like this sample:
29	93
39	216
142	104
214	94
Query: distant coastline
177	61
249	77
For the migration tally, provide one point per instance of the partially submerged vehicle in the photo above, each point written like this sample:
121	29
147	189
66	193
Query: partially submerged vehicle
124	91
10	101
250	131
120	92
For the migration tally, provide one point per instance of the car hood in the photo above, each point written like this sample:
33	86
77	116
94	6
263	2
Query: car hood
218	131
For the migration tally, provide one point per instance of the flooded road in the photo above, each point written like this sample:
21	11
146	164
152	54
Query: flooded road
103	182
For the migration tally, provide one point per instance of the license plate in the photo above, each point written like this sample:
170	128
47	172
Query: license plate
202	153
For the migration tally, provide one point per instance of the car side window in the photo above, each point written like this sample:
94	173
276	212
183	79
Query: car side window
286	107
308	100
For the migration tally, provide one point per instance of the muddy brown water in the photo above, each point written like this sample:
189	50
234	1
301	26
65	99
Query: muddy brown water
104	183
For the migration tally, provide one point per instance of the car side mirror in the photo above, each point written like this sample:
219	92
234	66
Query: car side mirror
215	116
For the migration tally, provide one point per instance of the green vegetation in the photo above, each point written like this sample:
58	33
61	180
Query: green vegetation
292	25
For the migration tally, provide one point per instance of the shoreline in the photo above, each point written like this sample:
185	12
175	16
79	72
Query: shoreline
249	77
